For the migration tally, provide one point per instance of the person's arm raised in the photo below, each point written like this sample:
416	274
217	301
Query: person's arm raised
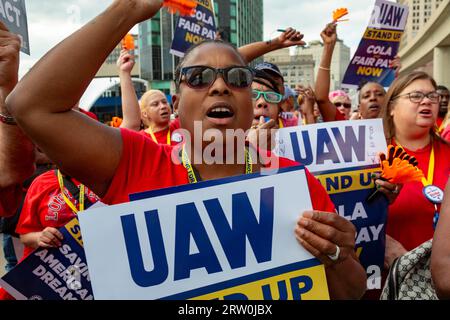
288	38
16	150
327	109
42	101
130	103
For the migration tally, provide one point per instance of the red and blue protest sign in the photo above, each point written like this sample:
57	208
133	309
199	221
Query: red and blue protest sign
378	47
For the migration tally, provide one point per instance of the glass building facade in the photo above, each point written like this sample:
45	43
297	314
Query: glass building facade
240	22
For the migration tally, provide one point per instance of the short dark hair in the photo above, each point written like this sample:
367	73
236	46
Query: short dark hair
195	46
364	83
442	88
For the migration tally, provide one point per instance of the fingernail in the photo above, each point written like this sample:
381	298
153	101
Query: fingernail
304	222
300	232
308	215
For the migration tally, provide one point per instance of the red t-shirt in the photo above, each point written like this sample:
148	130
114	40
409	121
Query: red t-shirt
339	116
410	219
10	200
446	134
146	166
439	122
44	206
89	114
161	136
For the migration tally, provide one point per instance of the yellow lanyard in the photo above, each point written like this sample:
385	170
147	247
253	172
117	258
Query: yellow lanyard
191	174
429	180
280	123
150	131
67	200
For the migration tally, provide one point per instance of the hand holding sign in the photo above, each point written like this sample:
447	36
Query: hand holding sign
13	14
9	60
327	236
49	238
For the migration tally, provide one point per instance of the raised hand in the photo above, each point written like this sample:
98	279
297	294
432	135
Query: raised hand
126	62
329	34
9	60
289	38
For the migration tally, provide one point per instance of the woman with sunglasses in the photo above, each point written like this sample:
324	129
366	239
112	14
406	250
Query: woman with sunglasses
213	91
342	102
409	116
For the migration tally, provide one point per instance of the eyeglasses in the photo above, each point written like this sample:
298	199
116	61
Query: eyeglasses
417	96
345	105
202	77
269	96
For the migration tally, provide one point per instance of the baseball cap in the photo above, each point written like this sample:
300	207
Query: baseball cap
267	66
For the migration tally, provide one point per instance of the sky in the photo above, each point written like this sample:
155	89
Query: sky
50	21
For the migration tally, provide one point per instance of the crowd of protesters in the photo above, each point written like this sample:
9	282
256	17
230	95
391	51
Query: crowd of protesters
79	161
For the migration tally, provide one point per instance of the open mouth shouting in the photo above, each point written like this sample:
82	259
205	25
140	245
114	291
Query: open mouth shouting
426	113
220	113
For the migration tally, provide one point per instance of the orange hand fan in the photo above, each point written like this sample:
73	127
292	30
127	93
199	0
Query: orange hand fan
116	122
339	13
183	7
398	167
128	42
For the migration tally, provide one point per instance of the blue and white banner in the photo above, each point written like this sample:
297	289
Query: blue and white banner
194	29
52	274
224	239
343	155
378	47
14	15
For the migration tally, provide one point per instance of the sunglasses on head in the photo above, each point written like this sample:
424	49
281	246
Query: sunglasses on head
269	96
202	77
345	105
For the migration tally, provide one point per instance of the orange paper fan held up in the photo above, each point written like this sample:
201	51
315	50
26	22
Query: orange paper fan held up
116	122
183	7
398	167
128	42
339	13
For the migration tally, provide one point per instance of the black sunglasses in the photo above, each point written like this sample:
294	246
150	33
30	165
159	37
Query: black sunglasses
202	77
345	105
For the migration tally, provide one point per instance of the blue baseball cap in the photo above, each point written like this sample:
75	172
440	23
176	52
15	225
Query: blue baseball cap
267	66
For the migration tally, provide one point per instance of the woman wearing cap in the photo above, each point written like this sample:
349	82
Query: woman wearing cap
214	90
